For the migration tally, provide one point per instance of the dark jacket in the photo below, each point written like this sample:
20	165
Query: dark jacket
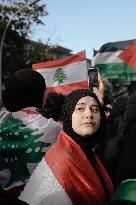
5	199
110	149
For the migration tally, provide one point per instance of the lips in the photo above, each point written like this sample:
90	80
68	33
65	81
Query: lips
89	123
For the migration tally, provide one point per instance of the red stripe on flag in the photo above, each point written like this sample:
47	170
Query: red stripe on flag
61	62
77	177
129	55
65	89
29	112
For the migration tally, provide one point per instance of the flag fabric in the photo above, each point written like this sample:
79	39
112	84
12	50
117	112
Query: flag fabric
61	178
111	65
64	75
129	55
25	136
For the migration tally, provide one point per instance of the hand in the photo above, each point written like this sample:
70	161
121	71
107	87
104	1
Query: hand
99	91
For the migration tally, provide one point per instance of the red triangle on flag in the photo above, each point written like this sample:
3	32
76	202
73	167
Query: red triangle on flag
129	55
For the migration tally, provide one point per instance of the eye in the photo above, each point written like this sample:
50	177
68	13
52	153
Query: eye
95	109
80	108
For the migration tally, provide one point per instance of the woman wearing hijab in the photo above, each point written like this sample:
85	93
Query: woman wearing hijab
71	173
25	135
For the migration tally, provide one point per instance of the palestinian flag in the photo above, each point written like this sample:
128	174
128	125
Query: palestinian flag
129	55
110	63
66	177
64	75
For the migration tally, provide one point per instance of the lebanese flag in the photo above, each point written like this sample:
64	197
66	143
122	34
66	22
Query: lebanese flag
129	55
66	177
64	75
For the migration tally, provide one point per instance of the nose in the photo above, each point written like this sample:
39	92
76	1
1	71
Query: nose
88	113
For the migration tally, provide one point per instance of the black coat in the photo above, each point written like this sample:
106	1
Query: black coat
5	199
110	149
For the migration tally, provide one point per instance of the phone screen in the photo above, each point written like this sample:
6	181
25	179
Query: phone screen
93	78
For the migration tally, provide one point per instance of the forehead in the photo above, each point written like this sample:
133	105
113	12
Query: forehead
87	100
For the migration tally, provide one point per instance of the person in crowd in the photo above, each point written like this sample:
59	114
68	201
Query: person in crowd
25	135
53	106
115	119
127	164
70	172
119	126
126	173
109	150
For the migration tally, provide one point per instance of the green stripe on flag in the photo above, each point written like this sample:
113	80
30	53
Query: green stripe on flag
117	71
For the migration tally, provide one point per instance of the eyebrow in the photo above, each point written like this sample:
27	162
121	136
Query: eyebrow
85	104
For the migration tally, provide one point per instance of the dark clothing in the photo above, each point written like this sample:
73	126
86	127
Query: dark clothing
117	154
109	152
53	106
114	121
6	199
110	149
127	165
129	116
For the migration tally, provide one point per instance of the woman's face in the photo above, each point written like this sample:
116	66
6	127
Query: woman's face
86	117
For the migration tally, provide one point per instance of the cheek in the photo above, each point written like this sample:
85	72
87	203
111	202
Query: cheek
98	123
75	122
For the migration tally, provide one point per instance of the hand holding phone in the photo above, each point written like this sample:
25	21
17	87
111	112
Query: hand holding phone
96	83
93	78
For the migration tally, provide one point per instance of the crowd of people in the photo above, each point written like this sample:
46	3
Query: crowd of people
61	150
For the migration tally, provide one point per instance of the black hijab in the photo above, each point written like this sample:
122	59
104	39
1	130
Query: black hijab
24	89
69	106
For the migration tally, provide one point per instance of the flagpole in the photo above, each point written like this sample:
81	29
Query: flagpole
3	37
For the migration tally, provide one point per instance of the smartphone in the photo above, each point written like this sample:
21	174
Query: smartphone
93	77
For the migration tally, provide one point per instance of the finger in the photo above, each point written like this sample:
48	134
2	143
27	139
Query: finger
101	84
95	89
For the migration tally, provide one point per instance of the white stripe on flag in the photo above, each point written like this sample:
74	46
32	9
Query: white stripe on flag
43	188
75	72
107	57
